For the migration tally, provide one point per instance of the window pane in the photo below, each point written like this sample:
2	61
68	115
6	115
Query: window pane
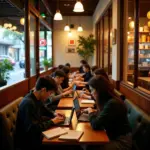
129	41
144	45
45	53
110	71
12	52
32	45
106	41
101	44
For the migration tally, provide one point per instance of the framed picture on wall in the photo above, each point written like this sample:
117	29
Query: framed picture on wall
71	49
71	42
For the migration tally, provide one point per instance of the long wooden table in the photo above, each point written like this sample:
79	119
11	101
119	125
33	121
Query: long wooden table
89	136
67	103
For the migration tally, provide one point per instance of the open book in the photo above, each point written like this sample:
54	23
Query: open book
71	135
87	101
51	133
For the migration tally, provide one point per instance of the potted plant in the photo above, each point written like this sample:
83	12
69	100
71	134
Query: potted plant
86	46
47	63
5	67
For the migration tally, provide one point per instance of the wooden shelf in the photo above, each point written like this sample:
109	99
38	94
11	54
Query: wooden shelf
139	42
140	32
140	49
139	57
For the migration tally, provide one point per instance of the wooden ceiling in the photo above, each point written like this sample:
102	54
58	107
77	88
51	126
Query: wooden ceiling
8	9
66	7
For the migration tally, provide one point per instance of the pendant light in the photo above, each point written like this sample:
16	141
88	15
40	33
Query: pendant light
58	15
78	7
69	33
80	29
22	20
67	28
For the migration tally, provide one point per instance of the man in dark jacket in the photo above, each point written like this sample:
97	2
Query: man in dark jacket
33	117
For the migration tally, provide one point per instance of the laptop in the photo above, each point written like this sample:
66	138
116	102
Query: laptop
83	117
67	120
74	89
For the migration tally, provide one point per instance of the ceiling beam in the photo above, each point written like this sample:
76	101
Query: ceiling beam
46	4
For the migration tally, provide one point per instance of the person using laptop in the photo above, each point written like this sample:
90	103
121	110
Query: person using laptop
33	117
112	114
53	100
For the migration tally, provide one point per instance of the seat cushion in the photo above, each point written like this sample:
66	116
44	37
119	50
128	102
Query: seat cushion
140	124
8	116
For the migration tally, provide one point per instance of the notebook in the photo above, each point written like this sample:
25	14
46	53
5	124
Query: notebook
87	101
72	135
52	133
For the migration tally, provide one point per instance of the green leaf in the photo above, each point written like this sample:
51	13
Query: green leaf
85	48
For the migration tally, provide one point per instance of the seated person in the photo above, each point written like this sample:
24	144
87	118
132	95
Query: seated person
68	65
93	68
112	115
86	77
65	83
58	68
82	62
55	97
102	72
33	117
99	71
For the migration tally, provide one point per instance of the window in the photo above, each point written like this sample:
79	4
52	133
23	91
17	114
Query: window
45	46
137	44
12	51
32	45
104	38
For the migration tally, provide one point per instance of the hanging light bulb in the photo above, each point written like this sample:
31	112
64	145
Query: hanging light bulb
69	33
14	28
6	25
148	23
131	24
80	29
78	7
67	28
148	14
22	21
58	15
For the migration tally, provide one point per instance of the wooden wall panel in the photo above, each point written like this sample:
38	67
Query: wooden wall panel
138	97
32	81
11	93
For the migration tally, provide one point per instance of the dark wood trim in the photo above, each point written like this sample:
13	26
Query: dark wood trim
37	46
109	41
136	42
34	11
97	42
45	2
27	40
106	8
52	44
121	37
103	42
115	83
45	23
138	97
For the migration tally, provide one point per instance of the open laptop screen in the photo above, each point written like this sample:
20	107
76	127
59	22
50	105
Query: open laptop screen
77	106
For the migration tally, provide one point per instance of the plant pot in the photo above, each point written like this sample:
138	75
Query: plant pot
3	82
46	68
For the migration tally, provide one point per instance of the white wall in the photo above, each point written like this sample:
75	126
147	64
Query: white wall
101	7
61	39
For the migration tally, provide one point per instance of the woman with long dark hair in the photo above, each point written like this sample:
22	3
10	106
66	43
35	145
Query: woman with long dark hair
112	114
